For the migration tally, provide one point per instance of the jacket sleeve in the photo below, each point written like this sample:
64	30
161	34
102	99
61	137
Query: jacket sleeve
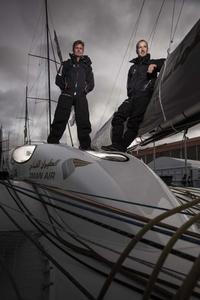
60	77
159	63
128	85
89	80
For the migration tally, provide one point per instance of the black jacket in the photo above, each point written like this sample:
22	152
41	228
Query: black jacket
75	78
141	83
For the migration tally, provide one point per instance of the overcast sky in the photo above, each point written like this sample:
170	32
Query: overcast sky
104	25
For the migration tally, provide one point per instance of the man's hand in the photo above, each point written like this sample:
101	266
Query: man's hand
151	68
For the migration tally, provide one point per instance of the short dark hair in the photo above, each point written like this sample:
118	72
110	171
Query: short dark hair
137	45
77	43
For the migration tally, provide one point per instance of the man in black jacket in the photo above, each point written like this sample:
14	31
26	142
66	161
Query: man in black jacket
75	79
140	84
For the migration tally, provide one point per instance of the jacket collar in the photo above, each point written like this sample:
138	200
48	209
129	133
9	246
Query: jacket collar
85	59
141	60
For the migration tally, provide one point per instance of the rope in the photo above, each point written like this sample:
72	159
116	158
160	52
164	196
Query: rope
165	253
116	211
113	199
189	283
38	245
135	240
194	221
113	210
98	257
123	233
106	225
73	247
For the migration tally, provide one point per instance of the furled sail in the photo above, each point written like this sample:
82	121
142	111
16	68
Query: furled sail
175	104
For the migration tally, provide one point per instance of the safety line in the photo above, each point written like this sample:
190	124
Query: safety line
134	242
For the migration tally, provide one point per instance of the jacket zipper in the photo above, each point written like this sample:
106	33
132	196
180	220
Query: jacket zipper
76	84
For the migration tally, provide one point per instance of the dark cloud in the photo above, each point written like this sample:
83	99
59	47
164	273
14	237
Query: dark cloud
12	110
12	65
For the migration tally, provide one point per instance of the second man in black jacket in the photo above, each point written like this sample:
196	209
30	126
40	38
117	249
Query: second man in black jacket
75	79
140	84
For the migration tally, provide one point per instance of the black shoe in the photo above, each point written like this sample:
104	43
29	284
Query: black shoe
112	147
51	142
86	148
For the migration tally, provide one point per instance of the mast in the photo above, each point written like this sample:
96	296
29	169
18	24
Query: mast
48	64
26	117
61	61
1	146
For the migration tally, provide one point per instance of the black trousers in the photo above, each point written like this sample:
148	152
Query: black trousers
61	117
131	110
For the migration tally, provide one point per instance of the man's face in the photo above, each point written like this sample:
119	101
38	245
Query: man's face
78	50
142	49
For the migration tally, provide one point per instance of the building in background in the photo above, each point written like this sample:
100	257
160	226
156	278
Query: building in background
174	171
175	149
177	163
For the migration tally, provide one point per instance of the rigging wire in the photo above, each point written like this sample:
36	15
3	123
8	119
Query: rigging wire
51	218
29	215
168	132
72	197
164	254
189	282
68	126
172	32
152	34
36	83
124	270
35	31
108	227
178	19
118	200
179	276
38	44
168	51
191	239
137	238
172	26
161	281
40	16
53	52
145	241
34	40
51	20
53	261
132	37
